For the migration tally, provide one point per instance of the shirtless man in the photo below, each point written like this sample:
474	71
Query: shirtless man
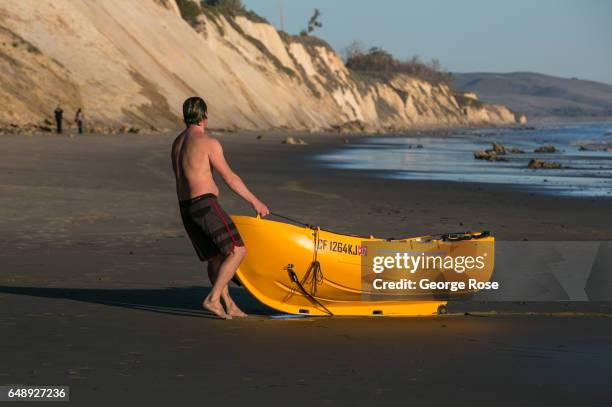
214	236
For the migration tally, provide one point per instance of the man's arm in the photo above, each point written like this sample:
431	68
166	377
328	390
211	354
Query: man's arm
217	160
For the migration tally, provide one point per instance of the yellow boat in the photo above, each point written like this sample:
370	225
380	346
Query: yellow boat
307	270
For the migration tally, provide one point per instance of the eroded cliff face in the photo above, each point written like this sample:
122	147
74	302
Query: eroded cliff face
134	62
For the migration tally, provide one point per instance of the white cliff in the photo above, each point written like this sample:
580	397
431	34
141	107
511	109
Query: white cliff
134	62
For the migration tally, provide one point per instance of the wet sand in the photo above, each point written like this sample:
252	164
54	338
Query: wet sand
100	288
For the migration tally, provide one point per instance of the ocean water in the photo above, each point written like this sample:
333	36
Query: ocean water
451	158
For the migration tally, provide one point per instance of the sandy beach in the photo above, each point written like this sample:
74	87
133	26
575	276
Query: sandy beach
100	288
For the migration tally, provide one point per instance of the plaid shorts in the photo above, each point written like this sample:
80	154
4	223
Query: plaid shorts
210	229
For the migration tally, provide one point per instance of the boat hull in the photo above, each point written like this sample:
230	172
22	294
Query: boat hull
274	249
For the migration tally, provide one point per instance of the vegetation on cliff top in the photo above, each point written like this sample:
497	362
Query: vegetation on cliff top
192	9
377	60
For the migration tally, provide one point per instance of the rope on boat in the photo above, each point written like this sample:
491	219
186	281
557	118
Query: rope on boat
296	280
290	219
314	274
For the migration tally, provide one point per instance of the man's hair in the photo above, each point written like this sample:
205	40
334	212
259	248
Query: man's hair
194	110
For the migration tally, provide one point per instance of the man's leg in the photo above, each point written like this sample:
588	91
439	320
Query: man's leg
213	270
228	267
213	267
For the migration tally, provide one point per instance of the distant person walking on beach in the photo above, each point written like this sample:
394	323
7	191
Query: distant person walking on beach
195	155
58	118
78	119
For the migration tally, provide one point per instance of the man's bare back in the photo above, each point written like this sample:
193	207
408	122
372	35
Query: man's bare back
192	166
195	156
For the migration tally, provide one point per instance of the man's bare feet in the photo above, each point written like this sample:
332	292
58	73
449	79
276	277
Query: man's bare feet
215	308
233	310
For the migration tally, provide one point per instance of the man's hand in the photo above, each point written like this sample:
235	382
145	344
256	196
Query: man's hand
260	208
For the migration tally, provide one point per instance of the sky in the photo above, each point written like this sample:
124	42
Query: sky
568	38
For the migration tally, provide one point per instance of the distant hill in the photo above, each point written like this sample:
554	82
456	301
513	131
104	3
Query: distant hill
540	96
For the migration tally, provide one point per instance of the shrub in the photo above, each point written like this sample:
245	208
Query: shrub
380	61
190	10
228	6
232	8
